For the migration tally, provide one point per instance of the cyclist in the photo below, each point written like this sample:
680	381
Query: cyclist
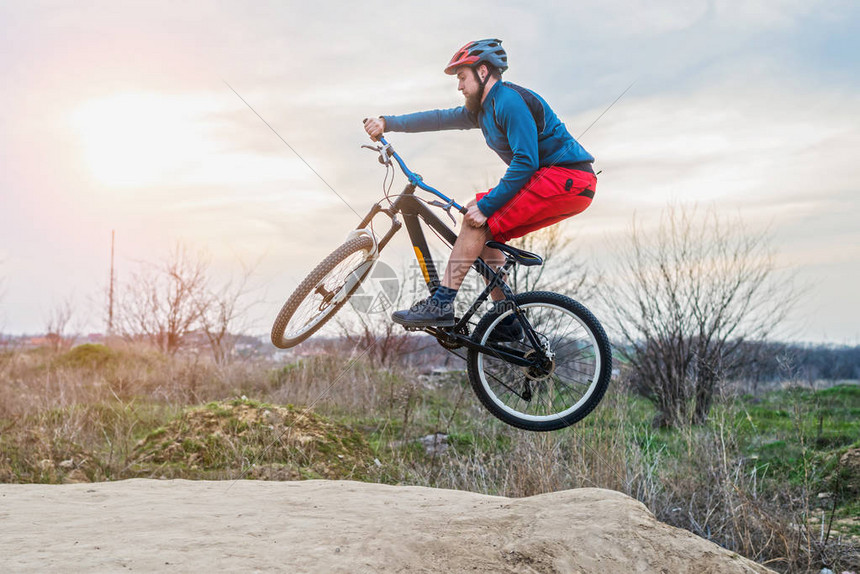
549	175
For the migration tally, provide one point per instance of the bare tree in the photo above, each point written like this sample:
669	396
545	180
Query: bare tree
57	324
4	340
370	328
387	343
2	289
687	298
162	303
166	303
221	311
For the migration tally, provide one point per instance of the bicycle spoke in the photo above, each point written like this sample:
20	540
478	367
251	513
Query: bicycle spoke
322	297
322	293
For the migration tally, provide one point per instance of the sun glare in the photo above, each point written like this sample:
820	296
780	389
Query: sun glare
133	140
145	140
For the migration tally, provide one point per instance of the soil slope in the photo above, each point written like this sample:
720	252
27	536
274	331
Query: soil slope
338	526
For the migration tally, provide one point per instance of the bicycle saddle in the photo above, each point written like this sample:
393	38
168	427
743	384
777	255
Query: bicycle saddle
521	256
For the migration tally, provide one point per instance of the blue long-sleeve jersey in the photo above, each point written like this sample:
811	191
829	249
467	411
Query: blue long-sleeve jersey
518	125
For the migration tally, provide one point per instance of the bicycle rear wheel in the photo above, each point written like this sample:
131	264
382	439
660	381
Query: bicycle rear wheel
323	292
557	393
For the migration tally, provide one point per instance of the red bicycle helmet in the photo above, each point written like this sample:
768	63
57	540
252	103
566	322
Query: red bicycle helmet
473	53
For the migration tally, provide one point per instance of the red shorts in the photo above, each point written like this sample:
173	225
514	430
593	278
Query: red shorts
552	194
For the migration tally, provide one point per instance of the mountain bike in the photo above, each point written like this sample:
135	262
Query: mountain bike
548	377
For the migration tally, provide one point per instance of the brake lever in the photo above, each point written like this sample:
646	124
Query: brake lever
445	206
384	152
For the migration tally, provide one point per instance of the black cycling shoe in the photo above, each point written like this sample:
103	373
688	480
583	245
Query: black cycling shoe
425	313
511	333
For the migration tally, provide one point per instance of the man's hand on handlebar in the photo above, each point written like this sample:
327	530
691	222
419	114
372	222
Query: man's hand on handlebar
474	217
374	127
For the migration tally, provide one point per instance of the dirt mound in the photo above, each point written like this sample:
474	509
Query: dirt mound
340	526
89	355
246	439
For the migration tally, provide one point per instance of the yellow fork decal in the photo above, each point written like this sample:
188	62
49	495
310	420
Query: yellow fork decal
422	264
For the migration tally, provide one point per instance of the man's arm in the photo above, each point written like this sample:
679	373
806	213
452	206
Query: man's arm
516	120
430	121
434	120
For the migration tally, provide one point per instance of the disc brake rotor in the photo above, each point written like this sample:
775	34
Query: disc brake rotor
542	370
327	296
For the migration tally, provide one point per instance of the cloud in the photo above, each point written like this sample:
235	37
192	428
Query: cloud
752	104
736	143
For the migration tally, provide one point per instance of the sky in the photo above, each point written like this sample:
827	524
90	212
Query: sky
118	116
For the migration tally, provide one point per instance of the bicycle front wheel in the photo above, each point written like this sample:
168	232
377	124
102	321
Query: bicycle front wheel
563	388
323	292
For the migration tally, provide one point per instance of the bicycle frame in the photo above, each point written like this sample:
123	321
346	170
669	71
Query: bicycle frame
413	211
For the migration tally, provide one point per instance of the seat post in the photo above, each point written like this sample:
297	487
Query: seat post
501	275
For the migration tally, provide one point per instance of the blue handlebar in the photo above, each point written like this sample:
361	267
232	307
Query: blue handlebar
416	180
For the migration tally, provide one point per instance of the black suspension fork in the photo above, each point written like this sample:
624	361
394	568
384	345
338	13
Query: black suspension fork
392	212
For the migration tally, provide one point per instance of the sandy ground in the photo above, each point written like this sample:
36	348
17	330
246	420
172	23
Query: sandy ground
328	526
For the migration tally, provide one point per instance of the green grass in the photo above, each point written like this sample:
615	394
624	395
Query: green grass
797	433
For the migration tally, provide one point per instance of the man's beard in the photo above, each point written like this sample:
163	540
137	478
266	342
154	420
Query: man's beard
473	103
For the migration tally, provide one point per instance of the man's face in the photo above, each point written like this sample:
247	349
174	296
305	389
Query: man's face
468	84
